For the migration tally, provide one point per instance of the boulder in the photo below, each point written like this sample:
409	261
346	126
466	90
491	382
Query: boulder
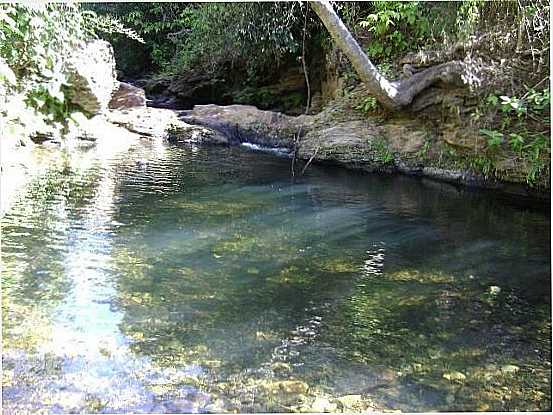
454	376
350	402
351	143
127	96
246	123
162	123
91	74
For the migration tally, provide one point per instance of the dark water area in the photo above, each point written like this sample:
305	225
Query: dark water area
204	280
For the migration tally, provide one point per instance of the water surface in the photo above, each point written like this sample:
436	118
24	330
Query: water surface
203	280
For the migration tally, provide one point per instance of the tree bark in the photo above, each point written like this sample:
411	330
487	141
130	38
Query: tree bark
393	95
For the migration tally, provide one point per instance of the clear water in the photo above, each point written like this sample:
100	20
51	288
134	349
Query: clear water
203	280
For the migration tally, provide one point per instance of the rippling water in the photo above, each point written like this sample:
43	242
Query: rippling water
203	280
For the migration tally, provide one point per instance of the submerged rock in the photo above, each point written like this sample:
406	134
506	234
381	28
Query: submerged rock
321	404
494	290
293	386
454	376
281	366
510	369
216	407
287	386
350	401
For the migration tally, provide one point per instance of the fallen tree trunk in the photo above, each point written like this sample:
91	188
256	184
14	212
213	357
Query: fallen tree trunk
393	95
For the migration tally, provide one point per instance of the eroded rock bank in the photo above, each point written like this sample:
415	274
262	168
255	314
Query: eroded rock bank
341	136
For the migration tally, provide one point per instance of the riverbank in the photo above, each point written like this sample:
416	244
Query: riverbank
340	135
113	133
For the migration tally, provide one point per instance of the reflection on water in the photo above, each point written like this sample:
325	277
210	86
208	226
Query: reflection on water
203	280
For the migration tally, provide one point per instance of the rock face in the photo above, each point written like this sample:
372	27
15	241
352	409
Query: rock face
193	88
91	73
162	123
245	123
405	145
127	96
352	143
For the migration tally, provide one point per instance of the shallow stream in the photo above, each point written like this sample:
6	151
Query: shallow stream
204	280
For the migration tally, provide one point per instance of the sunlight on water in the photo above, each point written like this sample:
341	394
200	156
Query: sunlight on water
190	279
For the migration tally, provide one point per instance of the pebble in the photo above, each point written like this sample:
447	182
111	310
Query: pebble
350	401
510	369
321	404
494	290
293	386
454	376
281	366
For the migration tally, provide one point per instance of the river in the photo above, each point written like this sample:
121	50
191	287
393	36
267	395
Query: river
174	279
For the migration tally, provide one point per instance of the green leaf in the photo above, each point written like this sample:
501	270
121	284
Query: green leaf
492	100
7	74
495	138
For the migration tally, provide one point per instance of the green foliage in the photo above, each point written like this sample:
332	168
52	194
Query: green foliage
519	119
423	152
468	17
536	150
35	42
516	141
495	138
269	31
534	21
368	105
382	152
538	101
160	26
513	105
110	26
209	37
485	164
263	97
267	98
396	27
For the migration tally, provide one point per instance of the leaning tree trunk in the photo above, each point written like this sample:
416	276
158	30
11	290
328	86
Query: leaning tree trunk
392	95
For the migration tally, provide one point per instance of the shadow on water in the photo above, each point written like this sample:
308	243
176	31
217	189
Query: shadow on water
203	280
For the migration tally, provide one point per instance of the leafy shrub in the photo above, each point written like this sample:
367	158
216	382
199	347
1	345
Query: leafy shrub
270	32
35	42
160	25
495	138
396	27
368	105
519	118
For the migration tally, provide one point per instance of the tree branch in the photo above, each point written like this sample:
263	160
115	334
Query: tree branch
391	95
